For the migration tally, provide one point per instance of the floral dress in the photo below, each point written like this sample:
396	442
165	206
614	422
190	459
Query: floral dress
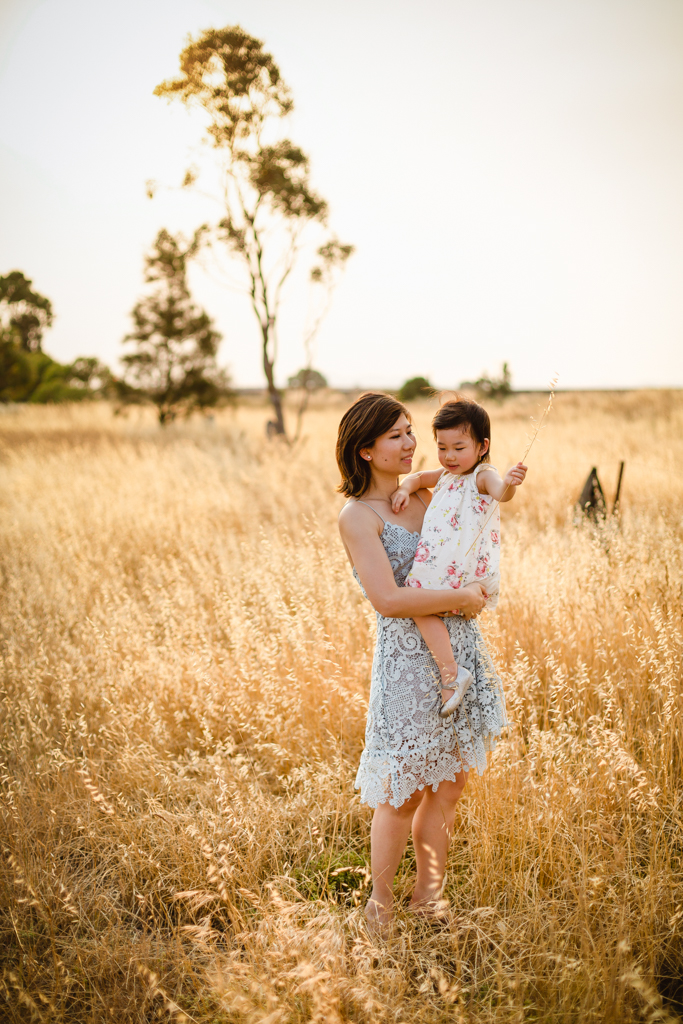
460	541
407	745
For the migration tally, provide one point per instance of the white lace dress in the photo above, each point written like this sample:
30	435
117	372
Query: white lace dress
407	745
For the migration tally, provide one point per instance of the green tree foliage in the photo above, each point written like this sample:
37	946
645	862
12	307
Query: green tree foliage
35	377
27	374
173	364
416	387
268	200
311	380
497	388
24	312
89	374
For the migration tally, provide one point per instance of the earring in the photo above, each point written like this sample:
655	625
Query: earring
368	457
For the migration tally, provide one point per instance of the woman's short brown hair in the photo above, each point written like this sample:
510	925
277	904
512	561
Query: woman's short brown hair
463	412
370	416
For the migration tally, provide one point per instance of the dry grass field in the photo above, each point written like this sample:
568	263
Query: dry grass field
185	666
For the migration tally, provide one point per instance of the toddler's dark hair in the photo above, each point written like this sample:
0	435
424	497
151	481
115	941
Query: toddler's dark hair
463	412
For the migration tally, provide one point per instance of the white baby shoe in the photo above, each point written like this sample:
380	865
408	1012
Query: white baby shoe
461	685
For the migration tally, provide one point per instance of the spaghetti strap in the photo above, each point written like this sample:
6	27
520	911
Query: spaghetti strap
371	509
418	496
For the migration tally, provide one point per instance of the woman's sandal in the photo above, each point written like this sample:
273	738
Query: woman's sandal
463	681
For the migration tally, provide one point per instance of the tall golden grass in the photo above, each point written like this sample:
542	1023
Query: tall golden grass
185	668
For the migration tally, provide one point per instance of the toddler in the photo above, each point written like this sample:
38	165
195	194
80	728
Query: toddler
460	540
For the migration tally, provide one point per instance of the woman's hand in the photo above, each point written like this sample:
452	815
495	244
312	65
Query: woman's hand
471	599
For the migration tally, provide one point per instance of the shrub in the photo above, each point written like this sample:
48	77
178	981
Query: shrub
416	387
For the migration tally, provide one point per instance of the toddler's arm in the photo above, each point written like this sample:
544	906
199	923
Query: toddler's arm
411	483
502	490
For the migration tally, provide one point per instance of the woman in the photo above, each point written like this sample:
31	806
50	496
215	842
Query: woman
414	766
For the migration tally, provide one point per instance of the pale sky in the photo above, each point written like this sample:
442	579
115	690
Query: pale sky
510	171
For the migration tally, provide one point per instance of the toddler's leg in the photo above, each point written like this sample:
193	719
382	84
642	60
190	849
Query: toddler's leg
455	680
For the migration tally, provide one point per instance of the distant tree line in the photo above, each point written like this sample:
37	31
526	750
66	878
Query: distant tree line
492	387
171	354
496	388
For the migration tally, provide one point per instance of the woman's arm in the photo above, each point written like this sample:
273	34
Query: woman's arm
366	551
400	499
489	482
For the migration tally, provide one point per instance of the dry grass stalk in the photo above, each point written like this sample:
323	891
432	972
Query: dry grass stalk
534	434
177	845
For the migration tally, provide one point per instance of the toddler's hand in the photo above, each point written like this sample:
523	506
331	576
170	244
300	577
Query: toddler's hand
515	476
400	499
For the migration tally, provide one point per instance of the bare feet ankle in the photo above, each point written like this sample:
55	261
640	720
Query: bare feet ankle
429	904
426	901
379	918
430	910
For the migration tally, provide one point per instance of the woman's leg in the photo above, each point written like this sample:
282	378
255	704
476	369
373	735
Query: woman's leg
388	837
432	830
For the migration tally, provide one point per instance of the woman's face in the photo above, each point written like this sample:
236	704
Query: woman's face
392	452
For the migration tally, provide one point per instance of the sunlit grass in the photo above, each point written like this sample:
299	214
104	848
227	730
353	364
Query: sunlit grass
185	666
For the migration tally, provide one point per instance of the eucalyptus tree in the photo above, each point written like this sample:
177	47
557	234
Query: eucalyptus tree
266	196
173	364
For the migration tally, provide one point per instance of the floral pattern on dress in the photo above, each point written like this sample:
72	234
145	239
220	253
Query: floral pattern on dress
460	539
407	745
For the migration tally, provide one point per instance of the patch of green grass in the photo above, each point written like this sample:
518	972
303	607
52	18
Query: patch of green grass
341	876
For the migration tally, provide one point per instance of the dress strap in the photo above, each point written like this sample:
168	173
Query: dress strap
480	467
371	508
418	496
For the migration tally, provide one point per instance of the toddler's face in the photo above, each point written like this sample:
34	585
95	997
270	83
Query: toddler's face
458	451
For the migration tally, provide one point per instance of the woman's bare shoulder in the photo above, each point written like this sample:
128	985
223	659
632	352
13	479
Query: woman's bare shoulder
425	494
356	517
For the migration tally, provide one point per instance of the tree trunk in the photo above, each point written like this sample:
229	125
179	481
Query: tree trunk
277	425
